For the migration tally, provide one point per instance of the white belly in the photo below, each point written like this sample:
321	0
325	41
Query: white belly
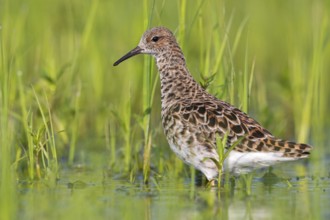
241	163
236	163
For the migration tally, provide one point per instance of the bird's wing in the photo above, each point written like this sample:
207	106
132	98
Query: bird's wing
207	119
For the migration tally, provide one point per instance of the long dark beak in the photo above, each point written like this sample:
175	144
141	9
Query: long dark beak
137	50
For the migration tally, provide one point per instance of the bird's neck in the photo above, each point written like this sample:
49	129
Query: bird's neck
176	81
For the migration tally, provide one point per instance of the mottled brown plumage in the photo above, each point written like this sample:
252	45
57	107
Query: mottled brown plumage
192	117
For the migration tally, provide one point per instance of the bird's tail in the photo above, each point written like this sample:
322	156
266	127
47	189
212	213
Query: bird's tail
292	149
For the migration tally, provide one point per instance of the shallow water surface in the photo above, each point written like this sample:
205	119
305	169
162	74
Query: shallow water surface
93	195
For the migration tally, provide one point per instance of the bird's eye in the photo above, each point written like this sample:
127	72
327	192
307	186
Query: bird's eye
155	39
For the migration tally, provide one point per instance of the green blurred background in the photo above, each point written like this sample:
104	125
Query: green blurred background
65	51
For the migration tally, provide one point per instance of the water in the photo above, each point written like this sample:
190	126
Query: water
93	194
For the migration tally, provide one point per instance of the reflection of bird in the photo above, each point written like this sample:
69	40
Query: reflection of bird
192	117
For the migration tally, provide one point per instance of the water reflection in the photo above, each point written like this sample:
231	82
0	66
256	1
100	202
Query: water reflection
90	195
